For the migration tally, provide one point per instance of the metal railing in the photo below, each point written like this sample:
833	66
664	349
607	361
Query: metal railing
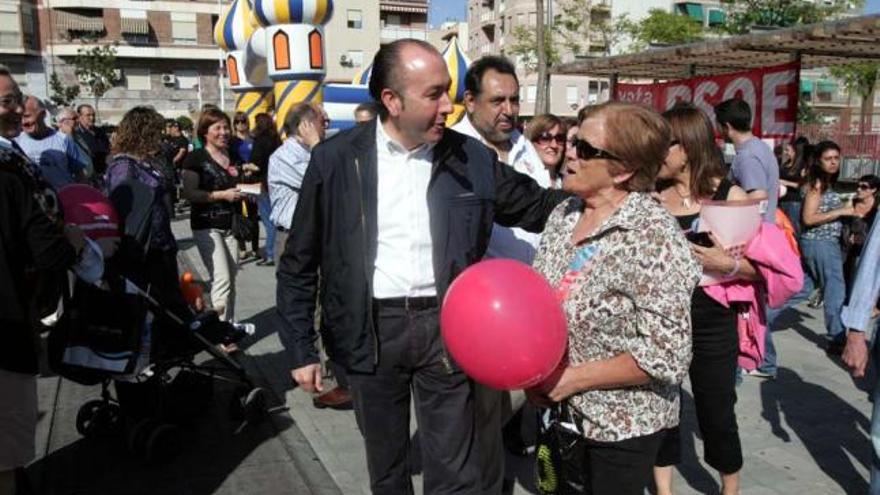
396	33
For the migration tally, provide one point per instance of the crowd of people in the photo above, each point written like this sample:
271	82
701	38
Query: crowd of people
369	227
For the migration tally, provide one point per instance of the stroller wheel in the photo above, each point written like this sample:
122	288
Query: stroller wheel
86	418
139	434
163	444
255	405
108	420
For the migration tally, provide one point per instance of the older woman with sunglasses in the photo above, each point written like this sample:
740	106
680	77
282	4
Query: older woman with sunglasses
624	274
856	230
548	134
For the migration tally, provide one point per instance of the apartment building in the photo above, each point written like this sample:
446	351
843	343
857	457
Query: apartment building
165	51
19	41
491	24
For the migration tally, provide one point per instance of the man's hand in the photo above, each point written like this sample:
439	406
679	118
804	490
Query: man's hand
309	378
855	354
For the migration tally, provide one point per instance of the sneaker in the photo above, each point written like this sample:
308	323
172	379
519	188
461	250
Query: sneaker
760	374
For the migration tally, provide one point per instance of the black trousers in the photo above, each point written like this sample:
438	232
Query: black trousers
620	468
713	381
412	363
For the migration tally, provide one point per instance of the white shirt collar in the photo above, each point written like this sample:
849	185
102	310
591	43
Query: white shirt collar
384	141
518	142
5	143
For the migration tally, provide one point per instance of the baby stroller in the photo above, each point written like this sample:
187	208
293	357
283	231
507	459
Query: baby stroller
158	383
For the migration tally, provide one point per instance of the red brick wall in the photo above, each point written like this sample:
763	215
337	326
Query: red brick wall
160	22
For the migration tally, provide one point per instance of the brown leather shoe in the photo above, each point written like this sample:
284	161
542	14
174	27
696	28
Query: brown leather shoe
338	398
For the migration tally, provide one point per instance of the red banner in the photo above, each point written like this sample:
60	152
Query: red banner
772	92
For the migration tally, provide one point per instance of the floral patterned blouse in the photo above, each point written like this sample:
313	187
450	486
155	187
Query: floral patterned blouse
626	289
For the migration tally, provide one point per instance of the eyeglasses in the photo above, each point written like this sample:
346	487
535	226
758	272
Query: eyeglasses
586	151
12	101
326	123
547	137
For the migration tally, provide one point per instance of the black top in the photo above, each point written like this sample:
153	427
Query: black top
687	221
791	174
264	146
212	177
337	234
32	248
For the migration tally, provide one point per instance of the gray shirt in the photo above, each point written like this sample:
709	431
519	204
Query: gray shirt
57	156
287	166
754	168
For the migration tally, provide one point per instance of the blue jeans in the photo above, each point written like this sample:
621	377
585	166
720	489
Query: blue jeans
824	263
265	208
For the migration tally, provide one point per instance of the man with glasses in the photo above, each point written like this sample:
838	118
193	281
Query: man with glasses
66	122
491	101
96	140
32	245
60	160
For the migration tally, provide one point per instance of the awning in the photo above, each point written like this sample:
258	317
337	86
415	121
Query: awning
826	86
694	10
131	25
407	7
68	21
806	86
717	17
826	44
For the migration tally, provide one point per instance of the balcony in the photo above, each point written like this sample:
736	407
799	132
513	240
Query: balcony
487	18
393	33
596	39
601	5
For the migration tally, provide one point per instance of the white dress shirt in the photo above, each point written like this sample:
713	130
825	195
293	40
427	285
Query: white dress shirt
404	258
506	242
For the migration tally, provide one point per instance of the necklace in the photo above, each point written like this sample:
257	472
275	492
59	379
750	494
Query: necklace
685	199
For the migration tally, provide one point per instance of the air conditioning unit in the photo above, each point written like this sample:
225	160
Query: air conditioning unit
169	79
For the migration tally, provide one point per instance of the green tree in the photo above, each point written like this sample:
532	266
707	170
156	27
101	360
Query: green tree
806	114
861	79
62	94
95	67
186	123
664	28
742	15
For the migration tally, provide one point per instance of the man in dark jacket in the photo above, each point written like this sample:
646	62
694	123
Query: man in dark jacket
30	242
391	212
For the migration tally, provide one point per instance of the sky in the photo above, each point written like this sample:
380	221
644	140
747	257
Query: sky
872	6
443	10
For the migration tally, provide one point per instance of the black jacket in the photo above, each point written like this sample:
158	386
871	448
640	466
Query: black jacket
33	251
335	231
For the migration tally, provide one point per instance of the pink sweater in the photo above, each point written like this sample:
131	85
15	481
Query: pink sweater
782	277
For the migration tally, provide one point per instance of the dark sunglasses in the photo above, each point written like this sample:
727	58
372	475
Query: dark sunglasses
586	151
547	137
864	186
241	122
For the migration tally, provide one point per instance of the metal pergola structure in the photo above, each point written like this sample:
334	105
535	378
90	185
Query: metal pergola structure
823	44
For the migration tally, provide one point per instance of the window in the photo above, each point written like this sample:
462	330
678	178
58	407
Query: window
28	24
520	19
356	58
571	95
355	19
187	79
183	28
393	20
10	34
532	93
137	79
533	18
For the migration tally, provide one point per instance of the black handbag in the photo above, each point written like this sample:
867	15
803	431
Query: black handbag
245	222
560	452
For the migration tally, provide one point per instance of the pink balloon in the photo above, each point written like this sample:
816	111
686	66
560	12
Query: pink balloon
503	325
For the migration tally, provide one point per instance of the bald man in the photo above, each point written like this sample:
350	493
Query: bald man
57	156
390	212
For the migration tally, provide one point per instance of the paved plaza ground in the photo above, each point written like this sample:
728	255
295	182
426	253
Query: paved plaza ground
804	433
